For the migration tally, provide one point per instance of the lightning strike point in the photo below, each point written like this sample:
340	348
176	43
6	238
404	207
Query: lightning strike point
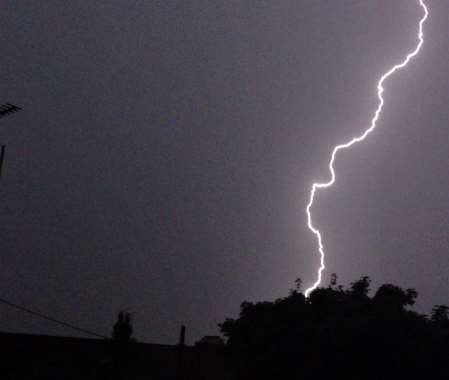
317	186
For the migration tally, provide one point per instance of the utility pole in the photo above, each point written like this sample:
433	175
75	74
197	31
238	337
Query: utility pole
5	110
2	156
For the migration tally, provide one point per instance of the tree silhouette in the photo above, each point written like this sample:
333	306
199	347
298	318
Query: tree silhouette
121	350
341	333
439	316
123	329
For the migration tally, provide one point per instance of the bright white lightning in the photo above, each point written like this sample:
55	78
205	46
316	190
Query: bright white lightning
316	186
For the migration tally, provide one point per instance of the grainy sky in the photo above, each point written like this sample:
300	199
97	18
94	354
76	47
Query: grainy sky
165	151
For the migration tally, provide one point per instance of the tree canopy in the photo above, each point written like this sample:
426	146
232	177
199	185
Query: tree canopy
339	332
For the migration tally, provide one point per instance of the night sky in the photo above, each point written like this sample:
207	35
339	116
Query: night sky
165	151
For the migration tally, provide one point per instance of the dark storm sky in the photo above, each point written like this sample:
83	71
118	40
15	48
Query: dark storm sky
166	149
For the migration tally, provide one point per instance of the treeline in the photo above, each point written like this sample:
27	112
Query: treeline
341	333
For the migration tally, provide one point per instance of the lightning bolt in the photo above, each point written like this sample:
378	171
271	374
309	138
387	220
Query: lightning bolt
316	186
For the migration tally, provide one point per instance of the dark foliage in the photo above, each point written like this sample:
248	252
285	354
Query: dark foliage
121	349
339	333
123	329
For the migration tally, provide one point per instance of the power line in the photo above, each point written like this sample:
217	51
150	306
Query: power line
5	110
51	319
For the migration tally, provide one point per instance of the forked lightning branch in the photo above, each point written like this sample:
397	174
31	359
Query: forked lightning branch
317	186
